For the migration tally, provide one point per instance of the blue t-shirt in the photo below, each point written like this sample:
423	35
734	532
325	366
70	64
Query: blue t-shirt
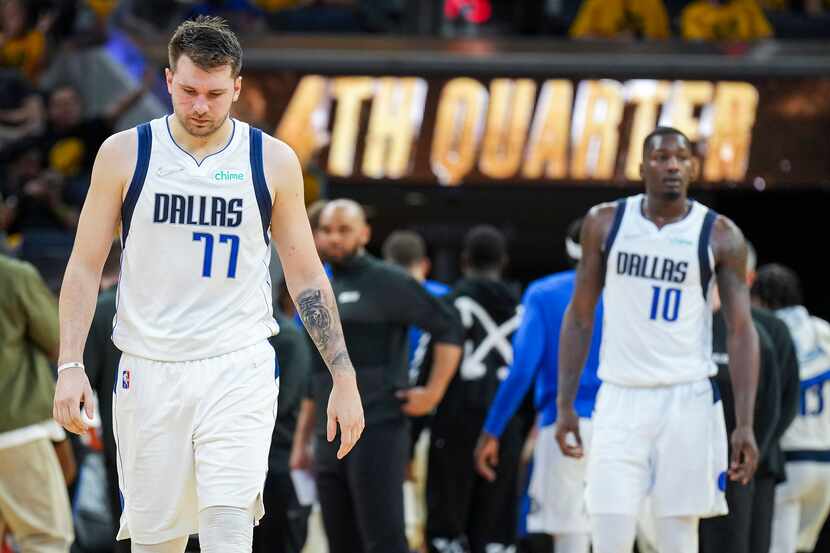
536	355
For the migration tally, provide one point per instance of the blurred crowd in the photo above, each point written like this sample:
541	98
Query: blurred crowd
648	19
739	20
48	137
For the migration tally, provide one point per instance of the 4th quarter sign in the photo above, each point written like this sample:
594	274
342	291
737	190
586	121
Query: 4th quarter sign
514	128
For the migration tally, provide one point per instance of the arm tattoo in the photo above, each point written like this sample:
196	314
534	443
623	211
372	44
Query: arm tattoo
341	360
322	322
316	316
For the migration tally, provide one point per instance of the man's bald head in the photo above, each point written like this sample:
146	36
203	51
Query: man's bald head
343	231
344	207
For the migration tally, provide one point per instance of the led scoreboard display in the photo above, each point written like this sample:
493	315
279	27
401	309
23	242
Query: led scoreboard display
464	130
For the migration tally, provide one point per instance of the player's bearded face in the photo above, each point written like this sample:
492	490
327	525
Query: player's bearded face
202	98
669	166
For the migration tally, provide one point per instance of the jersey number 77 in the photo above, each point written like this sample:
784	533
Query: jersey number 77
207	261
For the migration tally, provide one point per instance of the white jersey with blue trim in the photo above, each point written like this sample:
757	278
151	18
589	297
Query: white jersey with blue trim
810	431
194	270
657	322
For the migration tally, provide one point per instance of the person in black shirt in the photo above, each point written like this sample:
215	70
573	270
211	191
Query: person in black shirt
731	533
771	470
802	502
465	512
284	527
361	496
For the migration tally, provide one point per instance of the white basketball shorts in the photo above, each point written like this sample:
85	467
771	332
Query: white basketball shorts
667	443
557	485
802	504
191	435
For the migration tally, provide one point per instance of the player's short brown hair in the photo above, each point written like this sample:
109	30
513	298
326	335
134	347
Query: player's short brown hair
208	42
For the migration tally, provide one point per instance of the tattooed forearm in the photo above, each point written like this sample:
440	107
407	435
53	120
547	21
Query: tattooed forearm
319	315
315	316
341	361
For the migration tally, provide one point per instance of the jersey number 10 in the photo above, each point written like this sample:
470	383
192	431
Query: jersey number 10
207	262
670	300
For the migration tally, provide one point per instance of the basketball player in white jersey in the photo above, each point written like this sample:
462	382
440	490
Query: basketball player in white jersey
659	431
802	502
199	196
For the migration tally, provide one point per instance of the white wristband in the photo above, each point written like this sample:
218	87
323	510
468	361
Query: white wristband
72	365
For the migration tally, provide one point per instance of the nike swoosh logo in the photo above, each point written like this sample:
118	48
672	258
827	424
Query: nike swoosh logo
164	171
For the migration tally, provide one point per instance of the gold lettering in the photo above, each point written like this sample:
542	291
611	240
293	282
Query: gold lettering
679	109
394	123
647	95
303	125
548	144
457	129
508	116
595	136
727	150
350	93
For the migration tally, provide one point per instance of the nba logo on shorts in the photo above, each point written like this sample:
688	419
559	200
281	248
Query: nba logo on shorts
125	379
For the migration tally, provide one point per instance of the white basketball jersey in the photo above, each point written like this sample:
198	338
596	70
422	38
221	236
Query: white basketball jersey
657	326
810	430
194	269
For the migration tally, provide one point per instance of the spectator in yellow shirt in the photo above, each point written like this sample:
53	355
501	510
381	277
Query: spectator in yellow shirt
730	20
20	46
621	19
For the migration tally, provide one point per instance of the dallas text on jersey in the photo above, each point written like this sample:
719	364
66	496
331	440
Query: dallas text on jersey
197	210
651	267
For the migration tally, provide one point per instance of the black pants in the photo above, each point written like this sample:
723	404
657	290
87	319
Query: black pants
464	510
763	504
284	527
361	496
535	543
730	533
